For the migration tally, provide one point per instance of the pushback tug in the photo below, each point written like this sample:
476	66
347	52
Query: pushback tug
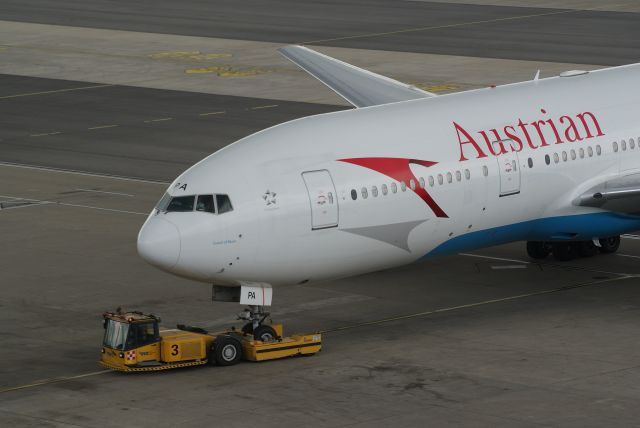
133	342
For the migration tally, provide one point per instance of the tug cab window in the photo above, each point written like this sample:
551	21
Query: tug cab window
205	204
181	204
224	204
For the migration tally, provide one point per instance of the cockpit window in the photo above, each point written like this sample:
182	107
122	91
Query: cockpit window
181	204
164	202
224	204
205	203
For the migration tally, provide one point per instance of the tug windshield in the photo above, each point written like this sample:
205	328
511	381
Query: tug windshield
115	334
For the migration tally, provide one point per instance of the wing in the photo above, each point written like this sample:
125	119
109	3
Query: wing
620	194
359	87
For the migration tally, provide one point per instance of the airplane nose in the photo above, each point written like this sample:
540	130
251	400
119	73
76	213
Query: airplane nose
159	243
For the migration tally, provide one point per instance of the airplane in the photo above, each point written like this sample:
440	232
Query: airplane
405	176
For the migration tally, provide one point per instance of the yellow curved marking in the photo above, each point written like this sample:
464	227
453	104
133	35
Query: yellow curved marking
228	71
189	55
127	369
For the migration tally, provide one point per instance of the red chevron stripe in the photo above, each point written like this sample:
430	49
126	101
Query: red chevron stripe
399	169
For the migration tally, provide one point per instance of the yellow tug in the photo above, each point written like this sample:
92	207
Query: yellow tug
133	342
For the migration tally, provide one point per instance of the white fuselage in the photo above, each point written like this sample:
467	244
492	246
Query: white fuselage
292	187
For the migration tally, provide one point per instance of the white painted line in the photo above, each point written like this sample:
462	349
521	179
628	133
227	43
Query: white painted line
83	173
108	193
103	127
59	379
498	267
628	255
164	119
66	204
261	107
212	113
55	92
631	236
45	134
493	258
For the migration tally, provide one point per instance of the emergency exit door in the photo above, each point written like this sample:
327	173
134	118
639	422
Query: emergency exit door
509	170
322	197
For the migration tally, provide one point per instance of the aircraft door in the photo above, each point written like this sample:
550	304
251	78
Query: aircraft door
509	169
323	199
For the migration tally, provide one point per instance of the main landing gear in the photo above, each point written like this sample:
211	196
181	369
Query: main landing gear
565	251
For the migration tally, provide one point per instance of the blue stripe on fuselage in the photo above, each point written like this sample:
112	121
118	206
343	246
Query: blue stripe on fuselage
583	227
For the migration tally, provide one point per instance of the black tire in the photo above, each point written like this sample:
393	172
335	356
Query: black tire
609	245
587	249
538	249
227	351
265	333
565	251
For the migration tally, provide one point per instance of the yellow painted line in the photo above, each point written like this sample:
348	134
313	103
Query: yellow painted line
56	380
189	55
460	24
164	119
212	113
103	126
81	88
45	134
261	107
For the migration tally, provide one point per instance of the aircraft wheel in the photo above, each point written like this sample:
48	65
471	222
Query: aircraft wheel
227	351
609	245
564	251
538	249
587	249
265	333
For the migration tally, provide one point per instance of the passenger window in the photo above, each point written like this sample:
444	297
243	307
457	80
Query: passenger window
599	150
556	158
365	193
632	144
431	181
467	174
440	179
485	170
412	184
564	156
581	151
547	159
615	146
205	203
181	204
403	186
623	143
374	191
421	180
385	190
458	175
573	154
394	187
449	177
354	194
590	151
530	162
224	203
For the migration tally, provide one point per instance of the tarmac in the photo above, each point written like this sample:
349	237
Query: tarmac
92	129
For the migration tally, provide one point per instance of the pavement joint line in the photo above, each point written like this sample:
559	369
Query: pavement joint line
630	236
81	88
83	173
27	205
628	255
212	113
459	24
494	258
45	134
104	191
55	380
476	304
103	127
164	119
67	204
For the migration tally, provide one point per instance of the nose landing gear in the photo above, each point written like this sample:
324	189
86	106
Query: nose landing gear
565	251
256	316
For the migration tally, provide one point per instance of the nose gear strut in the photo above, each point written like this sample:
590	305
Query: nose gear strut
255	315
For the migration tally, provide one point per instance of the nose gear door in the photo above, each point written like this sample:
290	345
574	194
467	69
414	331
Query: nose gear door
323	199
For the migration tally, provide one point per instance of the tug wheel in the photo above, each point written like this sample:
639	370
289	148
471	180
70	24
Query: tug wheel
609	245
227	351
265	333
538	249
